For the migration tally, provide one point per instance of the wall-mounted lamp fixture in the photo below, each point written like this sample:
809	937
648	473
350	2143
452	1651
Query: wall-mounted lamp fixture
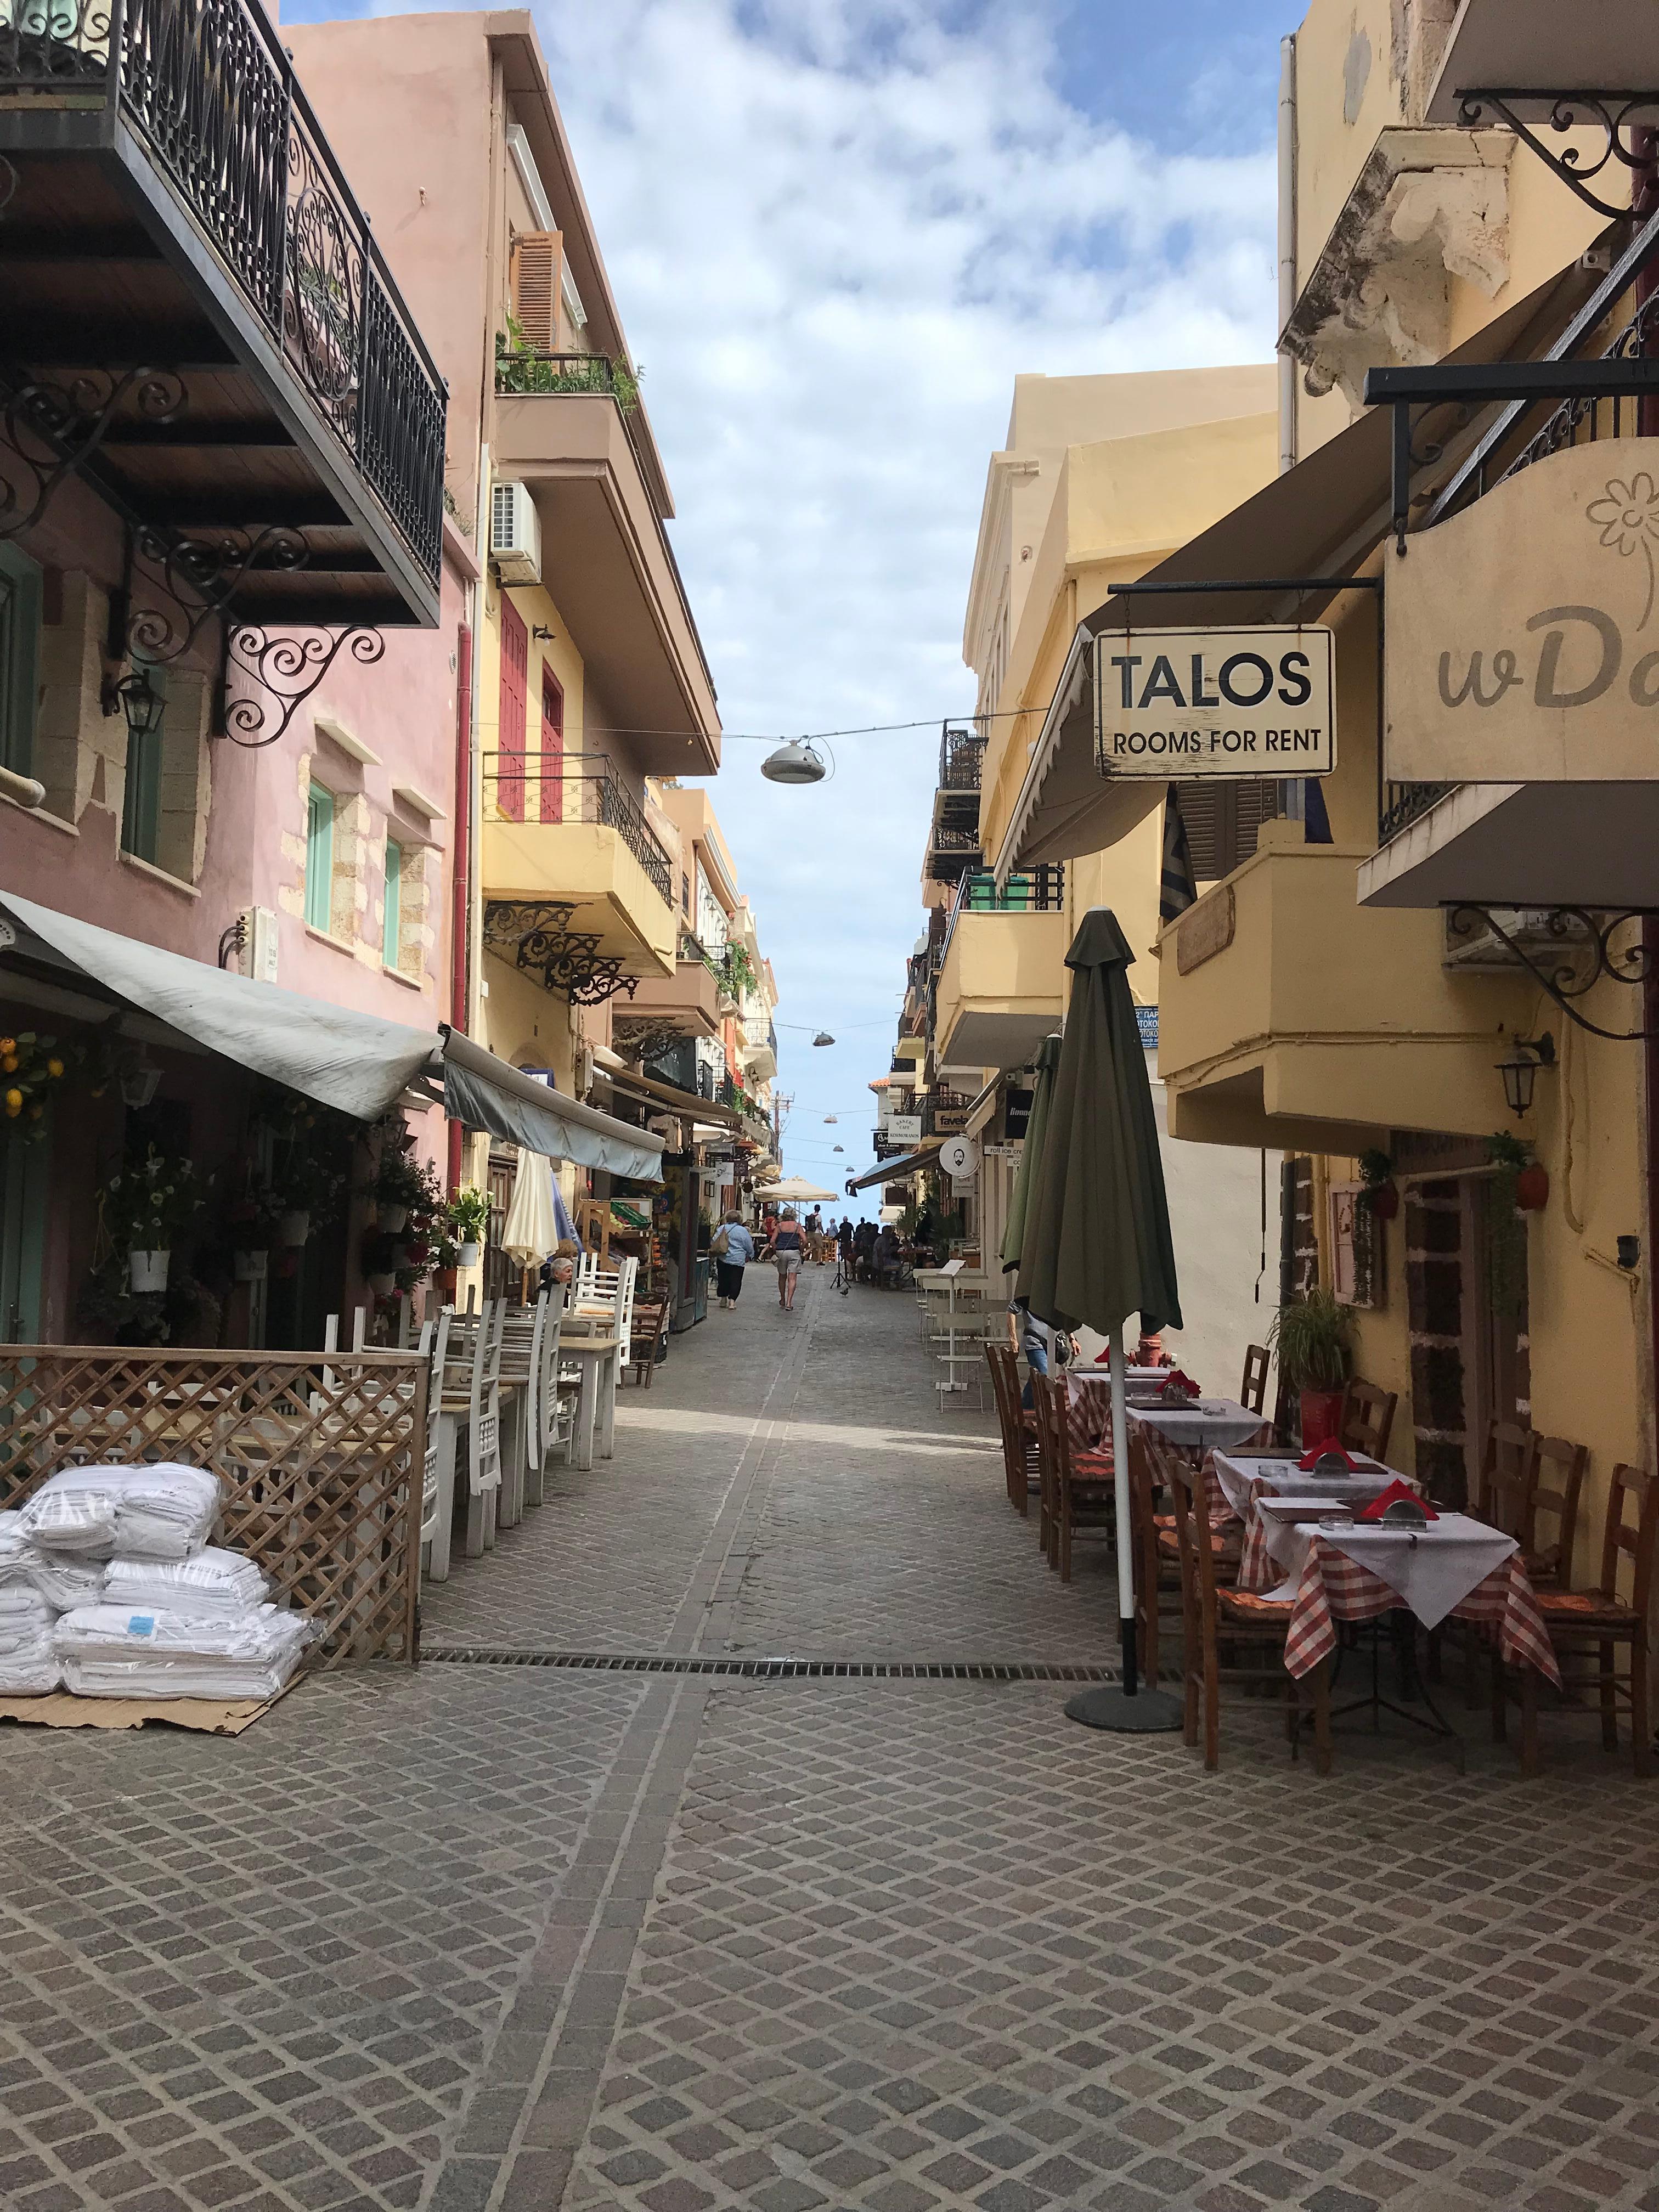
1519	1070
1629	1249
138	698
542	631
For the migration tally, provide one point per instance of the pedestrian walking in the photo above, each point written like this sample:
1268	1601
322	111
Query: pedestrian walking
788	1250
731	1248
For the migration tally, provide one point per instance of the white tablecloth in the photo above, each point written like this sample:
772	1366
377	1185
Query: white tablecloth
1283	1478
1433	1569
1208	1424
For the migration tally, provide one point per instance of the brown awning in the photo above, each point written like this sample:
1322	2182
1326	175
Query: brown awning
646	1090
901	1169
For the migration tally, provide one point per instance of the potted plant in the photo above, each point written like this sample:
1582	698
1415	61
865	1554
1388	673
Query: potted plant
1522	1182
1313	1336
145	1204
1381	1192
380	1263
468	1216
401	1183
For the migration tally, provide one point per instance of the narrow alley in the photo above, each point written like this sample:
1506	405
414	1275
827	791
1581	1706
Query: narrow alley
493	1935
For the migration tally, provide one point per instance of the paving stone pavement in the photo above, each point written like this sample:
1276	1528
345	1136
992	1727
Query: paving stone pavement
505	1939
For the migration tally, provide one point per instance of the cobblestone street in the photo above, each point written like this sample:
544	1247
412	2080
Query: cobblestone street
491	1936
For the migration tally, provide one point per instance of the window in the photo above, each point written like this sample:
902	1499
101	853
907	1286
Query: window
20	642
141	804
392	929
552	778
510	739
319	858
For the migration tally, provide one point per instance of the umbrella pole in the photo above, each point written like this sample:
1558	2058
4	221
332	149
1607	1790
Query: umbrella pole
1122	1544
1127	1709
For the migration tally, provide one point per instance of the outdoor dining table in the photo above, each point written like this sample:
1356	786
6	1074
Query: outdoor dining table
596	1407
1089	1399
1203	1424
1237	1485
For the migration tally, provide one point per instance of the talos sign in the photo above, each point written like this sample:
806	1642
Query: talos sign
1240	703
1522	636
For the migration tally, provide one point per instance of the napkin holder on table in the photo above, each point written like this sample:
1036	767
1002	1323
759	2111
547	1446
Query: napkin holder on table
1179	1390
1399	1506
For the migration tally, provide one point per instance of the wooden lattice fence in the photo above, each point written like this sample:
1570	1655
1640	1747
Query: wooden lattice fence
321	1458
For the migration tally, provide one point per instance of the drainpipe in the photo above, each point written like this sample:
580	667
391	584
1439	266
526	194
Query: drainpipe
461	851
1287	363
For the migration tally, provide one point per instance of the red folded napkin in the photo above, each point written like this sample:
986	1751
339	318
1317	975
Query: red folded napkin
1315	1453
1394	1492
1177	1381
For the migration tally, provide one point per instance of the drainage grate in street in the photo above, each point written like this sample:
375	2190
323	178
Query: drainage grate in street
773	1670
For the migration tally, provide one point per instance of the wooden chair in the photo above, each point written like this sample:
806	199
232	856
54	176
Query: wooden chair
1554	1484
1253	1628
1253	1390
1152	1468
649	1329
1019	1443
1367	1419
1079	1483
1594	1623
1500	1497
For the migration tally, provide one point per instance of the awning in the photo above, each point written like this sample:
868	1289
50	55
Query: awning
1322	518
646	1090
983	1108
1514	44
901	1169
353	1061
487	1093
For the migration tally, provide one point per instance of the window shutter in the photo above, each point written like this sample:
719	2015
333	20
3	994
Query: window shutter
1222	818
538	257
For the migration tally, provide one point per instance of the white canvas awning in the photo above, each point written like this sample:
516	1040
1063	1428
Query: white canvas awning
353	1061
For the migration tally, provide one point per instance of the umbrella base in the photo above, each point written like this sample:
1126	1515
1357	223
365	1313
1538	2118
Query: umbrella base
1151	1712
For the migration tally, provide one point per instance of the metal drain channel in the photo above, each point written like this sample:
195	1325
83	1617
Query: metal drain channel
772	1670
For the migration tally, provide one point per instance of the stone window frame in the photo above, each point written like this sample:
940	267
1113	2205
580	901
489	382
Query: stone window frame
418	888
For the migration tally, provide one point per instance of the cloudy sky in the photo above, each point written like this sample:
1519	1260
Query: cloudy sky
836	230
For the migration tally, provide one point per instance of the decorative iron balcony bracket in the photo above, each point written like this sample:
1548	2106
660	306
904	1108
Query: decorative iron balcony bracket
49	431
539	933
1611	113
1586	956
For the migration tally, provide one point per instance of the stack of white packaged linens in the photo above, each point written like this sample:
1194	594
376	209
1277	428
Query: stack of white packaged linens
110	1588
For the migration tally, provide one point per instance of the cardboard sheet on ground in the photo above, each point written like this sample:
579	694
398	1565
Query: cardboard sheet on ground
204	1716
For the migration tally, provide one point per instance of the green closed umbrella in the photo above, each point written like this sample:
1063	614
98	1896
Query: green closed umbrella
1096	1245
1036	1121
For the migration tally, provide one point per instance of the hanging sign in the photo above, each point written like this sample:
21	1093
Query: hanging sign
902	1128
1522	643
1174	703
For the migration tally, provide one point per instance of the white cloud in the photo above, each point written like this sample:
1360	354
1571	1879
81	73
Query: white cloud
836	228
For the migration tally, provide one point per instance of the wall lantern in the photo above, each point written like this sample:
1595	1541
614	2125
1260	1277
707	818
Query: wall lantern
1519	1070
794	763
139	700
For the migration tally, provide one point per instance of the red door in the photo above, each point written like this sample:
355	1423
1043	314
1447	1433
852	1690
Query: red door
515	683
552	807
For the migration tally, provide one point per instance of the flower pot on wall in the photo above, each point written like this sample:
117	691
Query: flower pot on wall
390	1218
1321	1416
1532	1187
294	1228
252	1267
382	1285
1383	1198
468	1255
148	1272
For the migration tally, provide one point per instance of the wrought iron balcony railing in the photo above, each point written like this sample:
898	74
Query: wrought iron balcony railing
1033	891
961	758
206	87
559	787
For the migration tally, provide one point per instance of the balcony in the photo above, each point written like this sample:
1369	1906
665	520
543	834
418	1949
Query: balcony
961	759
1000	988
571	427
1292	1019
759	1048
688	1000
563	831
202	327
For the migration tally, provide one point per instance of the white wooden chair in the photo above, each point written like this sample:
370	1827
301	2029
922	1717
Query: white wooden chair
522	1332
434	1344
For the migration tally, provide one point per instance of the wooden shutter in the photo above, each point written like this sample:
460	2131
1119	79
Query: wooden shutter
552	806
538	260
1222	818
515	668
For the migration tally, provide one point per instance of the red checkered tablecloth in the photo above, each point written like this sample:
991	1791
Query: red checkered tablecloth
1335	1587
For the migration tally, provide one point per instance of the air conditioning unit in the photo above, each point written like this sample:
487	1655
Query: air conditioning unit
515	534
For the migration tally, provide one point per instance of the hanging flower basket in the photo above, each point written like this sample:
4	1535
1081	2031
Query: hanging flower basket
392	1219
148	1272
252	1266
293	1229
468	1255
382	1285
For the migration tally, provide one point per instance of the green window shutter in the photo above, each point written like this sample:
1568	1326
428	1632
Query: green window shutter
391	941
141	804
319	858
19	649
